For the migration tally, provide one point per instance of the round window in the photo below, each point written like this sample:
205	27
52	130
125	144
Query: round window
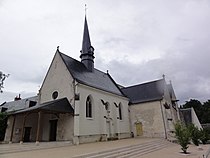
55	95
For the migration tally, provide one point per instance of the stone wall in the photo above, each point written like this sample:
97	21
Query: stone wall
103	122
57	79
150	116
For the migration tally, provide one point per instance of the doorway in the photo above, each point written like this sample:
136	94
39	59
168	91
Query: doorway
27	134
139	129
53	130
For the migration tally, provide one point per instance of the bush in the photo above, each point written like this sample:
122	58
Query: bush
195	134
204	136
183	136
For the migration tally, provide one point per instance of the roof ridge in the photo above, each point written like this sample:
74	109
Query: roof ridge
32	97
143	83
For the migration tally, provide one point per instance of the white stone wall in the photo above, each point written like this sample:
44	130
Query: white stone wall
58	79
150	115
195	119
46	126
65	127
171	115
31	121
98	125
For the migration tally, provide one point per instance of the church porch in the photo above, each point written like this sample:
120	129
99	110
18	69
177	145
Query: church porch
51	121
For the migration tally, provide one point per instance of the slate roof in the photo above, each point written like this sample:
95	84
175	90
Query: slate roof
19	104
96	79
145	92
59	105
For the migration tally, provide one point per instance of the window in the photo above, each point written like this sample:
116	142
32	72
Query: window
32	103
55	94
89	107
120	111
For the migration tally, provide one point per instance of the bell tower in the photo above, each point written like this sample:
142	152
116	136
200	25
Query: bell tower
87	52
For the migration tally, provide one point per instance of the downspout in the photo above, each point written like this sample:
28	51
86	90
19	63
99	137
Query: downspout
74	87
76	119
163	120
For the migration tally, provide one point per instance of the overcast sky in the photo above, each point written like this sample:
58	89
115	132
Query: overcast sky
136	40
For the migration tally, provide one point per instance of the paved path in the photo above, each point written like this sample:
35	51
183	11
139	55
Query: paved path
131	151
16	147
135	147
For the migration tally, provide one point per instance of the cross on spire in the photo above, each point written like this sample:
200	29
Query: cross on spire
85	9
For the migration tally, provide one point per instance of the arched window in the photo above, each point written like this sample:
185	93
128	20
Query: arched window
89	107
120	111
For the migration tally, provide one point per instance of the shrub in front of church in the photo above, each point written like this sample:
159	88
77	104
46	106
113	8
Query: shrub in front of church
183	136
195	134
204	136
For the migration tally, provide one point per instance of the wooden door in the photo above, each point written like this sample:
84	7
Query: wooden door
27	134
53	130
139	129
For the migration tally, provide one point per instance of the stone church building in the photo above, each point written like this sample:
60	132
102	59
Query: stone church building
80	103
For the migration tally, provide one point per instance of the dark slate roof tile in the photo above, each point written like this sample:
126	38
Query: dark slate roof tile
96	79
19	104
145	92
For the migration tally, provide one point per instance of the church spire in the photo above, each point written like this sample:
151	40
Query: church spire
87	57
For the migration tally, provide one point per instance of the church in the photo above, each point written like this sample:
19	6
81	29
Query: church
79	103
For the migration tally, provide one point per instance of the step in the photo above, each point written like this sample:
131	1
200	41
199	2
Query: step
128	152
111	151
143	152
122	151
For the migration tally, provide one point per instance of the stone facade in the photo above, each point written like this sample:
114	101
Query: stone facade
104	122
150	115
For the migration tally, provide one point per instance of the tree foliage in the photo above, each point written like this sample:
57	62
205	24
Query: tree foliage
195	134
204	136
2	78
183	136
3	125
185	133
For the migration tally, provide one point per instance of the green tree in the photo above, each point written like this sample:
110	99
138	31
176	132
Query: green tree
3	125
183	136
206	112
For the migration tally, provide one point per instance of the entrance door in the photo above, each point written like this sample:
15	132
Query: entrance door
27	132
139	129
53	130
